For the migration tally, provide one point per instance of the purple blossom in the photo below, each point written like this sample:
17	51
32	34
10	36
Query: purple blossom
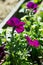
2	53
35	6
15	22
32	5
34	11
34	43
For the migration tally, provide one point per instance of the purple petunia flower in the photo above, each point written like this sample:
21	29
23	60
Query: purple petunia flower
34	43
15	22
32	5
2	53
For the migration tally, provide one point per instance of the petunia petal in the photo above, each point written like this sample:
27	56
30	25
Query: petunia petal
20	29
13	21
21	23
29	40
30	5
10	22
35	6
36	43
34	11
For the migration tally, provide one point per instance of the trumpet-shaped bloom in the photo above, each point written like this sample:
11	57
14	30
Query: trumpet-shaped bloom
34	43
17	24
